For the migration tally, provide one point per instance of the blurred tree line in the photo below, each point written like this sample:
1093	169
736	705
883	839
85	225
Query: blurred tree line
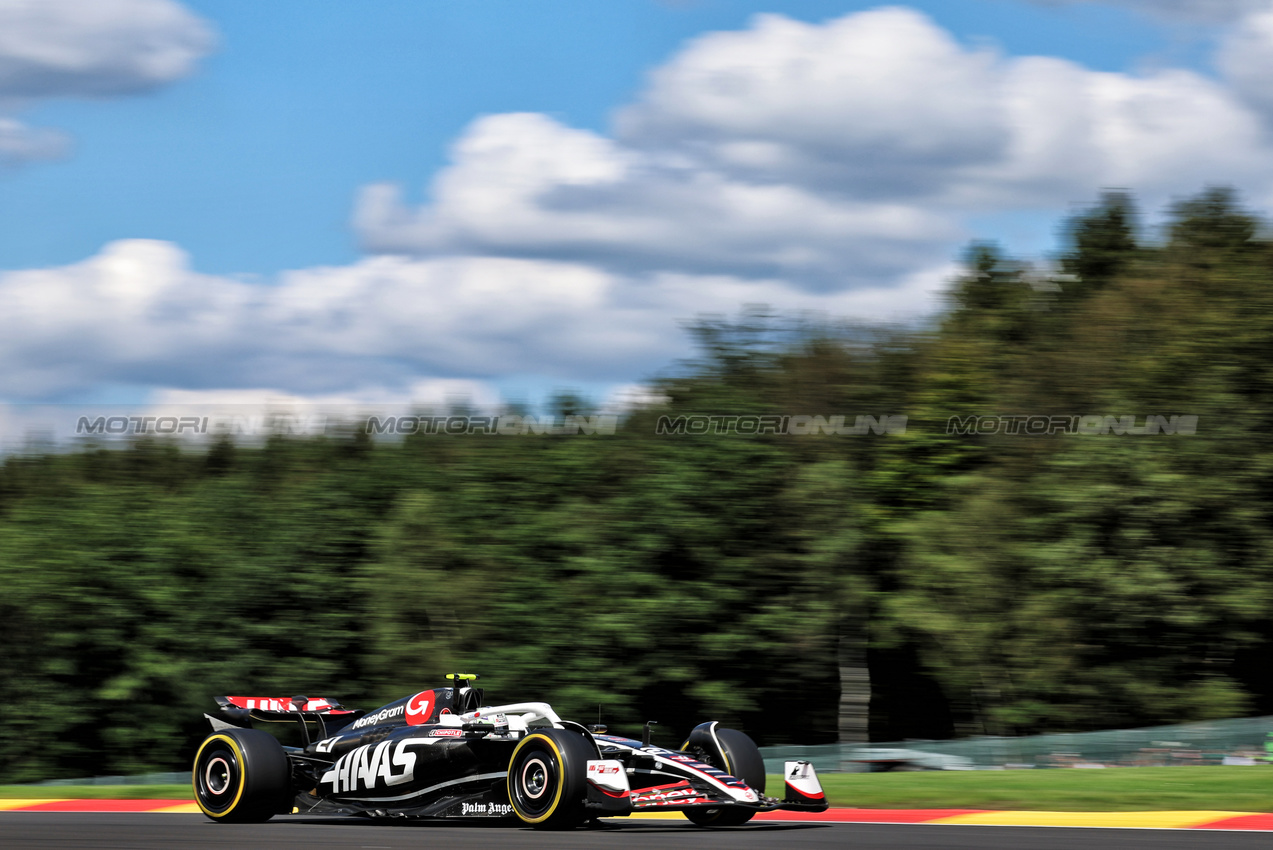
991	583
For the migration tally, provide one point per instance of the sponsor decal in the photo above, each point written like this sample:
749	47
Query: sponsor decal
446	733
379	717
679	758
372	766
603	769
420	708
802	782
609	777
278	704
676	794
485	809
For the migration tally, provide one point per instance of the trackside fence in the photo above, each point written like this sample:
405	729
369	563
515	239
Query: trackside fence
1236	741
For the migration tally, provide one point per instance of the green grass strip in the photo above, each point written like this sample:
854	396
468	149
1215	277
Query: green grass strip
1245	789
96	792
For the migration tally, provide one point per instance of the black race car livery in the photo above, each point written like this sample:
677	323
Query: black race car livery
441	753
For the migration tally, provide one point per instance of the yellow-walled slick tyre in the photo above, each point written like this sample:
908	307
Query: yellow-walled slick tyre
241	776
547	779
742	760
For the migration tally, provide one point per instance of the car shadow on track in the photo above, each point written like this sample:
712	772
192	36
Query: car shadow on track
643	827
683	829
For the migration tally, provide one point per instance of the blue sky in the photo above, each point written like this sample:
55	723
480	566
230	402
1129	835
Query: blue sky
252	163
270	204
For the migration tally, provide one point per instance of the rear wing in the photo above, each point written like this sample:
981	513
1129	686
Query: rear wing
283	705
241	711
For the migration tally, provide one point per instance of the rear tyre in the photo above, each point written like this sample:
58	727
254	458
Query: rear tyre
742	760
547	779
241	776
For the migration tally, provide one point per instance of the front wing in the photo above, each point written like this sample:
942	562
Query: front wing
611	794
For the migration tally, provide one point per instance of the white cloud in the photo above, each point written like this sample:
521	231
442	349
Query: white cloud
887	104
1076	131
20	144
1206	11
137	313
626	398
820	168
525	185
386	327
794	150
87	48
249	414
1246	58
875	102
347	406
831	156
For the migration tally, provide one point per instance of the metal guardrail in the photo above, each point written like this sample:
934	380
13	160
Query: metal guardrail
1235	741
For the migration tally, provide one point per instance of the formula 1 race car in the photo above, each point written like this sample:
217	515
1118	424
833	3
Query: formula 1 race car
442	754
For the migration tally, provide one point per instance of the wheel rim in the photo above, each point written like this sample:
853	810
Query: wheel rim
534	789
534	777
217	776
217	779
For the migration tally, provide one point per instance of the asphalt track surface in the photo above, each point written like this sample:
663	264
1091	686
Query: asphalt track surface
53	831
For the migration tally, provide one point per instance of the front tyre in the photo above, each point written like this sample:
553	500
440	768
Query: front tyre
742	760
547	779
241	776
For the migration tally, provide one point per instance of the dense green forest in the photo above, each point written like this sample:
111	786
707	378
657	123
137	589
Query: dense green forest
992	582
